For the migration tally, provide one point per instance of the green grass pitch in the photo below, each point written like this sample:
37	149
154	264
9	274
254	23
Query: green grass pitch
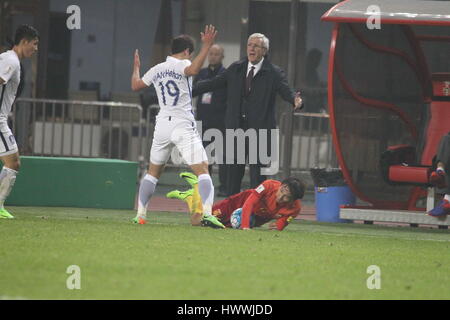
169	259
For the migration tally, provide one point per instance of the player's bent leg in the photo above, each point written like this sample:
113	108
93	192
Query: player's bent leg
190	178
11	165
196	219
185	196
180	195
197	200
191	149
146	190
195	203
206	191
205	186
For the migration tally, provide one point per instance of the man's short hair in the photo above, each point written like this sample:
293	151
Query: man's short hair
181	43
27	32
296	187
218	46
265	40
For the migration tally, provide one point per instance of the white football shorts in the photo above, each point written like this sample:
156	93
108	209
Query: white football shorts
182	133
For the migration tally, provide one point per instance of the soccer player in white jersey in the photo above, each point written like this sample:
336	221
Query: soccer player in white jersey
25	45
175	123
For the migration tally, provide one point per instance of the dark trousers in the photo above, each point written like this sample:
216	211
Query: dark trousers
236	171
223	176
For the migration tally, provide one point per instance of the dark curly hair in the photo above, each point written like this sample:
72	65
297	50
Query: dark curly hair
181	43
296	187
27	32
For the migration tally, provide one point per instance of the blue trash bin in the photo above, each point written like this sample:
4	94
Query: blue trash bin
329	200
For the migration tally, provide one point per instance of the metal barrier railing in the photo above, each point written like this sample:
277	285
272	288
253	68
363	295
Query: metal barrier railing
72	128
115	130
311	141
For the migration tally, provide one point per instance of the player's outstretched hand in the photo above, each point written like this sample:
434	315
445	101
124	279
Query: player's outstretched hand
298	102
137	60
273	226
209	35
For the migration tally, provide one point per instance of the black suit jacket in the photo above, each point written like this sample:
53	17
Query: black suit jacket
267	83
213	114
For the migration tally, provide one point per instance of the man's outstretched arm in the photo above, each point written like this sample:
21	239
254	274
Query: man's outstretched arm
136	81
207	38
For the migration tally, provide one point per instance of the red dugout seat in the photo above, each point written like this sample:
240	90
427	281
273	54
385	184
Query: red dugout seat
399	164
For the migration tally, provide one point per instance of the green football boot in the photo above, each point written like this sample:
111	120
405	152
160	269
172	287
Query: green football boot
190	178
212	221
139	220
5	214
180	195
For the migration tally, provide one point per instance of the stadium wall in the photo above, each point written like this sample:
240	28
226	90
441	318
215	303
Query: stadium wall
75	182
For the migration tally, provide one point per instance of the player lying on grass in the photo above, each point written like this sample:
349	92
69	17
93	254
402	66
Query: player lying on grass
272	199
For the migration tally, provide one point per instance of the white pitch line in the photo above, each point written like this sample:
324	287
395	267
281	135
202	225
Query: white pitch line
4	297
382	236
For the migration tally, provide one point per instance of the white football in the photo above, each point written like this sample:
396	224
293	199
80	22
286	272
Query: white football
235	219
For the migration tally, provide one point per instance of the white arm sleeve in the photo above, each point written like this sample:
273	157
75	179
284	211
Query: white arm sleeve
147	78
182	65
7	68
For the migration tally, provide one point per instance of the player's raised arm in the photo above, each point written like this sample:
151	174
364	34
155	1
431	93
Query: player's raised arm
136	81
208	38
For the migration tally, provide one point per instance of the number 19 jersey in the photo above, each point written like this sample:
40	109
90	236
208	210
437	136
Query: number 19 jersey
174	89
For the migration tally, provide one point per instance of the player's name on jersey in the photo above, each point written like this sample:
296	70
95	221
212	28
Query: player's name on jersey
167	74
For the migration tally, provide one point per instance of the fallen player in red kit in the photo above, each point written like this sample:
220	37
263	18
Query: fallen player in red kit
271	200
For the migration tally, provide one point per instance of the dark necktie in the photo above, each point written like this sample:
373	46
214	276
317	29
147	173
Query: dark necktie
248	81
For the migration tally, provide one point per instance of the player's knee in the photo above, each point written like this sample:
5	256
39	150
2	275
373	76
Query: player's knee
201	168
13	164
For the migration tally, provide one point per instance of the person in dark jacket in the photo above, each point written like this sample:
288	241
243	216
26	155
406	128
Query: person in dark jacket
252	85
211	106
440	177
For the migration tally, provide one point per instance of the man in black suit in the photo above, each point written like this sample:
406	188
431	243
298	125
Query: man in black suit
252	85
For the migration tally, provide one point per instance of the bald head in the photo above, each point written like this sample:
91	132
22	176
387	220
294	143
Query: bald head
215	55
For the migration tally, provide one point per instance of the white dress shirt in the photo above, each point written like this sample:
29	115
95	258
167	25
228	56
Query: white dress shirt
257	67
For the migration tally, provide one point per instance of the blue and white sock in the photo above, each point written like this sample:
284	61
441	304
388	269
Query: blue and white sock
7	180
146	190
206	190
